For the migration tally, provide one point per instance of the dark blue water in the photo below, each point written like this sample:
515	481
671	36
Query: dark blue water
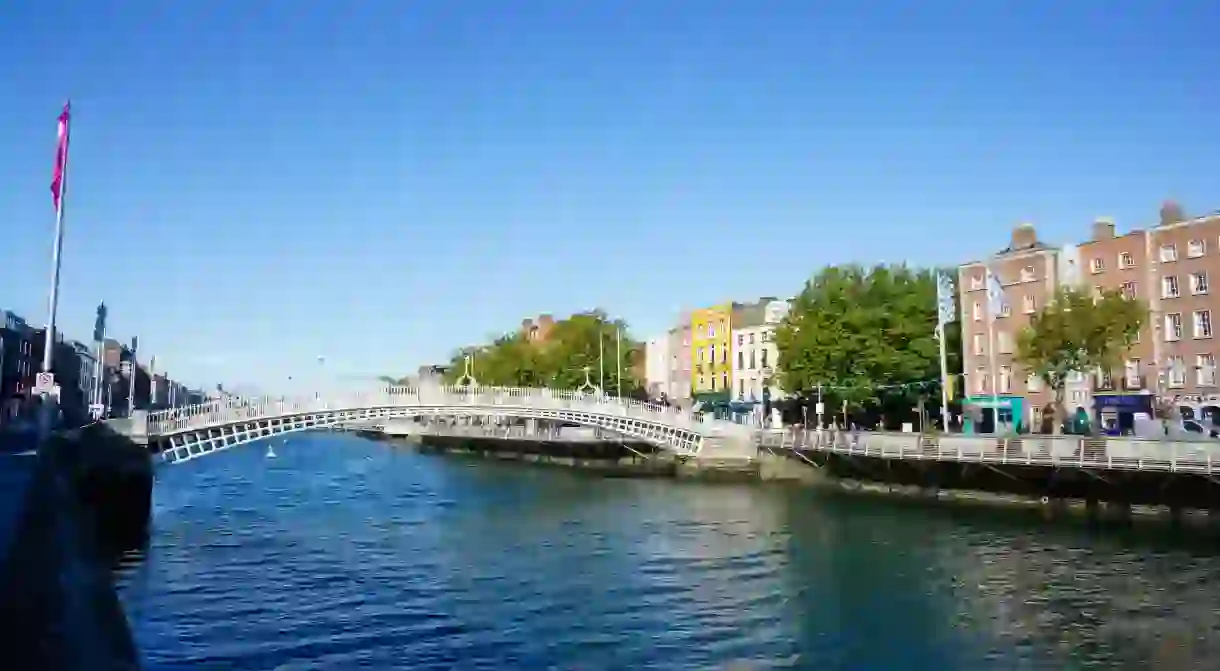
344	554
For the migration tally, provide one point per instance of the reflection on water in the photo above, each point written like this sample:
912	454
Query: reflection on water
341	553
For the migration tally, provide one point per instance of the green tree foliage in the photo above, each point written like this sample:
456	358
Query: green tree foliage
559	362
1076	331
855	330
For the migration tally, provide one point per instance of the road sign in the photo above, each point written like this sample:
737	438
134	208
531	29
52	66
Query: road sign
819	407
44	383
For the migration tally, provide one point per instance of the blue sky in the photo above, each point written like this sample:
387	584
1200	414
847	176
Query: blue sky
257	184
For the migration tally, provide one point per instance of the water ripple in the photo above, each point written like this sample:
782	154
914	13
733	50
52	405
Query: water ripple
345	554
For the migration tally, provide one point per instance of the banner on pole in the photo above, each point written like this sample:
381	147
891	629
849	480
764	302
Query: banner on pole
997	304
61	157
945	291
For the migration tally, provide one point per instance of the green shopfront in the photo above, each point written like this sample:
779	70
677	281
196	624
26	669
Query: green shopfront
978	415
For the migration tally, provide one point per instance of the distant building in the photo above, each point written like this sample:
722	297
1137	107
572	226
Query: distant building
656	366
680	362
754	354
18	365
538	330
710	346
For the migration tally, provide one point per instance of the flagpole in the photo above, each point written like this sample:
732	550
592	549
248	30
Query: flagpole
995	380
49	404
944	377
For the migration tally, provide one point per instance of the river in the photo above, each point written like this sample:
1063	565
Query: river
342	553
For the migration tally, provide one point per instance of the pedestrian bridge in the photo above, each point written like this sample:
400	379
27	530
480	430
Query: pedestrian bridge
181	434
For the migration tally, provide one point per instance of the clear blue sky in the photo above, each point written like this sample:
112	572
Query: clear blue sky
256	184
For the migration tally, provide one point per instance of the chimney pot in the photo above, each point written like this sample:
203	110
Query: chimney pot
1171	213
1103	228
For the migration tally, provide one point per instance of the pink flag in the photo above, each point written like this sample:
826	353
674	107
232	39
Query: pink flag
61	157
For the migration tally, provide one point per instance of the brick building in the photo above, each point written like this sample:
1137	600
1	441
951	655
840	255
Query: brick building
538	330
1028	269
1169	266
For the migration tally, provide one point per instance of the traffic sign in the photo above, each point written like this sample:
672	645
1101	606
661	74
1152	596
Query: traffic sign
819	408
44	383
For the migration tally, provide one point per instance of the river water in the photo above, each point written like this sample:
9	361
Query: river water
342	553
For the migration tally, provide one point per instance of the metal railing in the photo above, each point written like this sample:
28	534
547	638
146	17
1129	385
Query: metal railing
434	400
1128	454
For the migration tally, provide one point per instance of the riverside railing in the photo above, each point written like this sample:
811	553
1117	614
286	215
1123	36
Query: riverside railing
1123	454
231	410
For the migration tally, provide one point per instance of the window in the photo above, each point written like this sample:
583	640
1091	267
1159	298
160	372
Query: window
980	381
1029	305
1005	379
1004	342
1173	326
1128	290
699	355
1205	370
764	358
978	311
1104	379
1027	274
976	281
1198	282
741	339
1203	323
1195	249
1097	265
752	360
1125	260
1169	287
766	336
1169	253
1033	383
724	382
724	356
1131	373
713	382
1177	371
741	360
978	344
751	338
1005	309
741	388
712	350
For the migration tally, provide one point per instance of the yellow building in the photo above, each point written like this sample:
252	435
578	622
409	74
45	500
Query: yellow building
710	349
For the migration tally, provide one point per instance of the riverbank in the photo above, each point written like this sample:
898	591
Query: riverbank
86	498
641	460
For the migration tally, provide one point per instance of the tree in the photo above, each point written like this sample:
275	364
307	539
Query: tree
867	335
1077	332
558	361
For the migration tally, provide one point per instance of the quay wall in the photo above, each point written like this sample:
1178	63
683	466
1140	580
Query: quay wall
87	500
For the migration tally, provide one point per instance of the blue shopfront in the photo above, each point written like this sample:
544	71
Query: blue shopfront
1114	413
979	414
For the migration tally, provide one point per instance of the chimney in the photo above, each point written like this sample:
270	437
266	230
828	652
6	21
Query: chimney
1171	213
1103	229
1024	237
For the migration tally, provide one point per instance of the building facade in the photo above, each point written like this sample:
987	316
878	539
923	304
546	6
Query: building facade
680	386
1028	270
657	366
710	350
754	354
1168	266
19	364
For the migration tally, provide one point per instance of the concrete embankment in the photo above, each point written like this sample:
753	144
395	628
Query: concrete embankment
85	499
607	458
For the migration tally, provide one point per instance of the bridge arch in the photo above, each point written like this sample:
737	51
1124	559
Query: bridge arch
182	434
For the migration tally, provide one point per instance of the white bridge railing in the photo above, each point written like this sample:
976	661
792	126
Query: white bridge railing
1108	453
230	410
